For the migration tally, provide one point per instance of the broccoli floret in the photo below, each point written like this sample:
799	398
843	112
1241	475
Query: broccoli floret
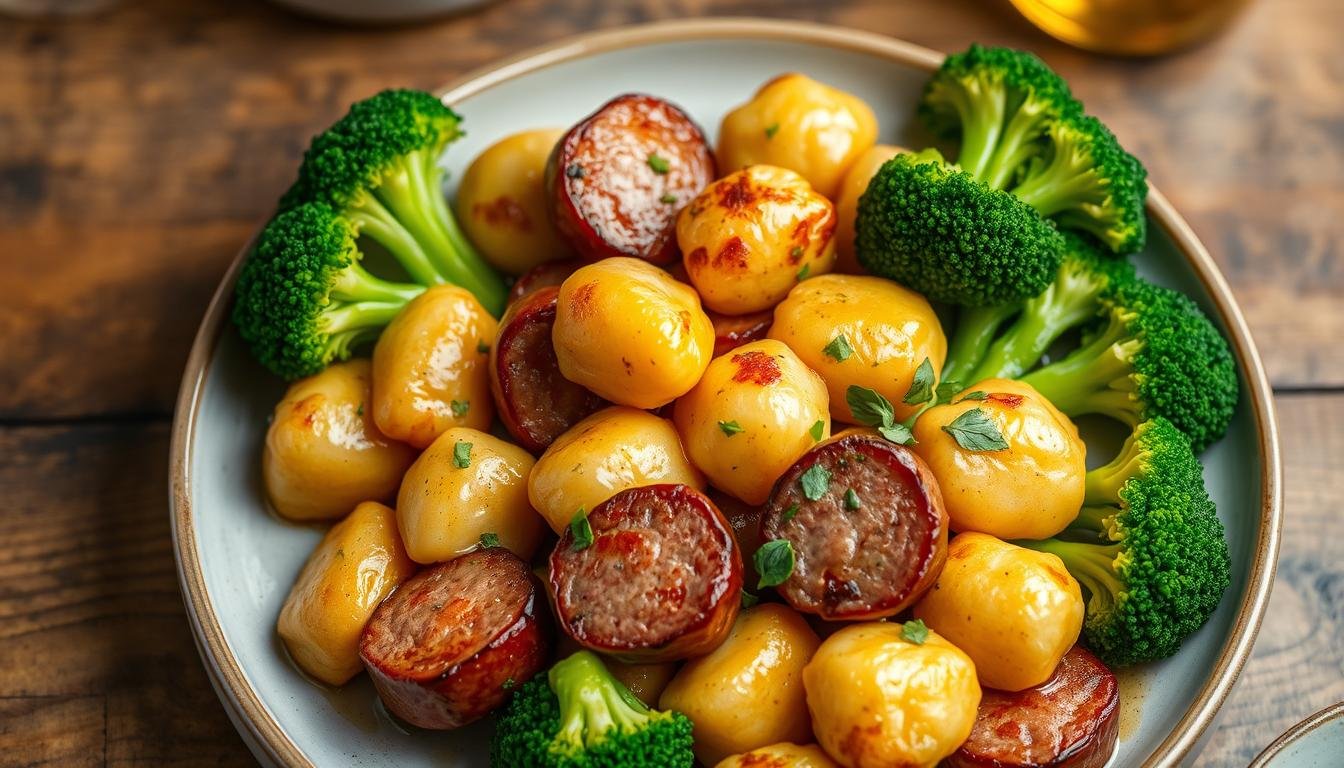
941	232
1088	182
582	717
303	299
1148	548
378	166
1155	354
1085	278
1000	102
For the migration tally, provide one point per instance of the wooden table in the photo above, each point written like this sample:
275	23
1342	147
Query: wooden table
139	148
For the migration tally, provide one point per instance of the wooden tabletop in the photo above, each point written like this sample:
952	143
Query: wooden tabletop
140	147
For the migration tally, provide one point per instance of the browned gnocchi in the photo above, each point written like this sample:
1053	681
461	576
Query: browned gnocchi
754	234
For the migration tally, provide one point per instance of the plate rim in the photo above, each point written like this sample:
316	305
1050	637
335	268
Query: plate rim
1298	732
263	733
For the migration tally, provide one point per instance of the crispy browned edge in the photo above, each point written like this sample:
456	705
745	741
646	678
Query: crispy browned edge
260	727
1296	733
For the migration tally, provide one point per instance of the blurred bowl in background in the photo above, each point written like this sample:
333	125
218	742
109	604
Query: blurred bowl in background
1130	27
379	11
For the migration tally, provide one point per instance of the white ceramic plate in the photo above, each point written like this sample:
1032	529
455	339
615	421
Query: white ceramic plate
237	562
1317	742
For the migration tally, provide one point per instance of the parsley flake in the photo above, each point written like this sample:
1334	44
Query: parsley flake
749	600
774	562
921	388
852	500
803	273
730	428
460	407
976	395
815	482
771	130
581	530
871	409
659	164
975	431
817	430
668	198
789	513
915	631
462	454
482	348
489	540
839	349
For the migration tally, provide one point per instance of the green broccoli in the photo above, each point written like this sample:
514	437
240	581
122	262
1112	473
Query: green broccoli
1154	354
1148	548
982	348
303	299
949	236
582	717
378	167
1000	103
1088	182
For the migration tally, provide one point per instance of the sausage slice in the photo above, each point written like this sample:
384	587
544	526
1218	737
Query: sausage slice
661	580
867	526
534	401
446	646
619	177
1069	721
542	275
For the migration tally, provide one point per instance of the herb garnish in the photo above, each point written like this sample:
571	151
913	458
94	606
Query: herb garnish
774	562
581	530
839	349
975	431
462	454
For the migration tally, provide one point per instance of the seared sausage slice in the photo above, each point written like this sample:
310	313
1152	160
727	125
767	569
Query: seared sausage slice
534	401
443	648
544	274
619	177
1069	721
732	331
867	526
661	580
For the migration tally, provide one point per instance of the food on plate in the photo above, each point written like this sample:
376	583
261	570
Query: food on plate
754	234
1014	611
579	716
1026	484
1155	354
752	414
1070	721
503	205
676	348
544	275
612	450
431	367
323	453
450	643
1148	547
987	346
303	298
783	755
618	178
847	204
748	692
887	694
534	401
357	563
1021	129
732	331
861	331
651	574
629	332
860	527
798	123
467	488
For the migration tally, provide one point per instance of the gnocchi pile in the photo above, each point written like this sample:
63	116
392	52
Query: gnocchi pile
643	446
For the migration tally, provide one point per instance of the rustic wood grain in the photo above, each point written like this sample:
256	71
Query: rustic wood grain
142	146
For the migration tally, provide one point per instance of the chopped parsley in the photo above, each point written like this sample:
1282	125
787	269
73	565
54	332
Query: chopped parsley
817	430
975	431
921	388
915	631
730	428
462	454
839	349
774	562
771	130
659	164
815	481
852	500
489	540
581	530
460	407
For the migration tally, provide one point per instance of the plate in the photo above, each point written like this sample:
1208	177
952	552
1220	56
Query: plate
1316	742
236	562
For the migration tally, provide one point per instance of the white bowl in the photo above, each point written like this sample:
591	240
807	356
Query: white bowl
1317	742
236	562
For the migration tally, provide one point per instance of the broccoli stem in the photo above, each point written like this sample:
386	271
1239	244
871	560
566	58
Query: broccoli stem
1104	484
981	106
411	193
1095	520
371	218
1066	303
1017	144
592	702
1095	378
1068	181
354	284
976	327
